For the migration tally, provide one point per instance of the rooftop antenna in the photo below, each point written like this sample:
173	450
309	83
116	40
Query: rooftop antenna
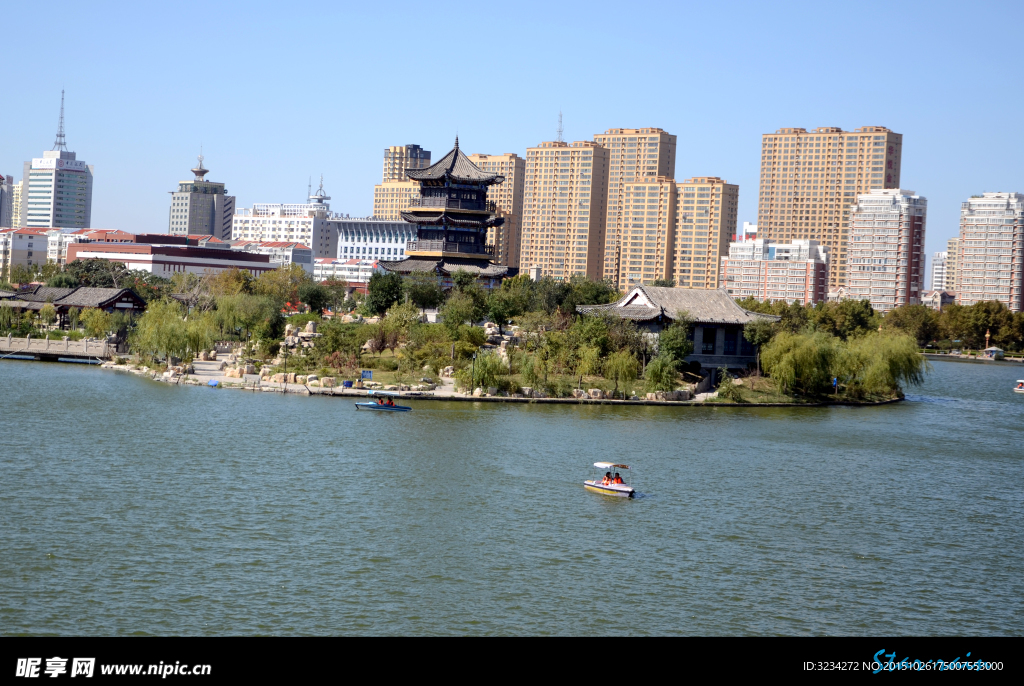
59	144
309	187
560	130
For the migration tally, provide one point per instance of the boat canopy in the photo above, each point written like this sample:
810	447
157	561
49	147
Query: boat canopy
610	465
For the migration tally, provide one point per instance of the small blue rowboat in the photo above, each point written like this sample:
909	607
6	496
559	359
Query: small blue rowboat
374	405
383	408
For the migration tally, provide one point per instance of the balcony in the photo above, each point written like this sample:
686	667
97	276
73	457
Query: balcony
422	245
452	204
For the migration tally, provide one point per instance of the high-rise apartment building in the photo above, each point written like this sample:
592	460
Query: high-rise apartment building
886	250
391	198
398	158
952	255
633	155
6	201
57	187
937	282
507	197
794	272
201	208
17	204
991	250
564	209
647	228
302	223
809	180
706	216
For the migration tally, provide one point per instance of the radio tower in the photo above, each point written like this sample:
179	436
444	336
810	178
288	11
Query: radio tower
59	144
559	126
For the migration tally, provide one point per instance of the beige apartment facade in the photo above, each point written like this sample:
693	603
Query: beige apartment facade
508	201
646	231
633	155
952	255
564	209
810	179
392	197
398	158
705	220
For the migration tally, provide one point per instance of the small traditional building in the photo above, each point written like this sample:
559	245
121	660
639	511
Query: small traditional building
63	299
452	216
718	322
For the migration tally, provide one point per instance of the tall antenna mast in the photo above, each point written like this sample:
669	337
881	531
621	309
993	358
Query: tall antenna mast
560	130
59	144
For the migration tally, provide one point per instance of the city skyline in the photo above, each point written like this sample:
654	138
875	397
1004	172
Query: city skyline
137	124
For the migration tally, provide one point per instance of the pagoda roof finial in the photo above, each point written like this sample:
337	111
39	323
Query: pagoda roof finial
456	141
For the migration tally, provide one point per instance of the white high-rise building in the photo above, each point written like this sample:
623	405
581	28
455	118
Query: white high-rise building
57	187
304	223
886	253
201	208
938	278
991	250
371	239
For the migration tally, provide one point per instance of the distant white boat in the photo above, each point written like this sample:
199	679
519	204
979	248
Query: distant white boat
1019	388
607	486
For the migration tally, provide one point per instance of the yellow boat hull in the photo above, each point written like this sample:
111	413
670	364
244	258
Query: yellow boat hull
614	490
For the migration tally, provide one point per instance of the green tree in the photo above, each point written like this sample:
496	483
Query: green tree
48	314
160	330
503	305
424	291
282	284
664	283
314	296
727	387
759	333
803	363
457	310
336	290
383	291
674	342
918	321
622	368
661	374
463	279
62	280
97	323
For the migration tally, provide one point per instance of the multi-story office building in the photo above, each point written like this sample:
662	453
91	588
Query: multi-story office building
507	197
398	158
646	229
6	201
25	247
886	250
991	250
301	223
937	282
370	238
809	180
201	208
706	215
391	198
633	155
952	255
564	209
792	272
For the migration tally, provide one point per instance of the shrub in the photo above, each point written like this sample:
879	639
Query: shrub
661	374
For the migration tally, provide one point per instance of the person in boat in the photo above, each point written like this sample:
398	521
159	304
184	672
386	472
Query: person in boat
607	479
390	402
1020	385
617	479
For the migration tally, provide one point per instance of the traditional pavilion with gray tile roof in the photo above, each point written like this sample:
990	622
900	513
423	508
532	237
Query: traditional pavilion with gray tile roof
63	299
452	216
717	331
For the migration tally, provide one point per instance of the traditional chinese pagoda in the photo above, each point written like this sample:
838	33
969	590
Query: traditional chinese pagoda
452	216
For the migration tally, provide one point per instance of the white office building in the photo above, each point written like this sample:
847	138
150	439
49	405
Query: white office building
355	272
302	223
991	250
282	253
371	239
937	282
769	271
200	207
886	251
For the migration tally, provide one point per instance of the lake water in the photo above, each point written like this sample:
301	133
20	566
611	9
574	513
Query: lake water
132	507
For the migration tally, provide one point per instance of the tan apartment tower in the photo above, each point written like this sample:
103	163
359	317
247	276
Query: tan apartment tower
647	229
564	209
398	158
391	198
507	197
634	155
705	220
952	252
809	180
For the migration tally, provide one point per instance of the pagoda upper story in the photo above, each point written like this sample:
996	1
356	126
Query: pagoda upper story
452	213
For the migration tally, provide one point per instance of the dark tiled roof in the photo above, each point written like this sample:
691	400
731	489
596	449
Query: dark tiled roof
457	167
444	218
7	294
95	297
447	266
43	294
412	264
704	306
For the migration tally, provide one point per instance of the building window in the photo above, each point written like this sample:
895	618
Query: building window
707	345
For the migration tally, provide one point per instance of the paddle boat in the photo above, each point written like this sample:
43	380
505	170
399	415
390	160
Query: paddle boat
623	490
384	403
1019	388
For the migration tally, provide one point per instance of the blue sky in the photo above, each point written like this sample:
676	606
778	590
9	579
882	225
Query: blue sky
276	93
